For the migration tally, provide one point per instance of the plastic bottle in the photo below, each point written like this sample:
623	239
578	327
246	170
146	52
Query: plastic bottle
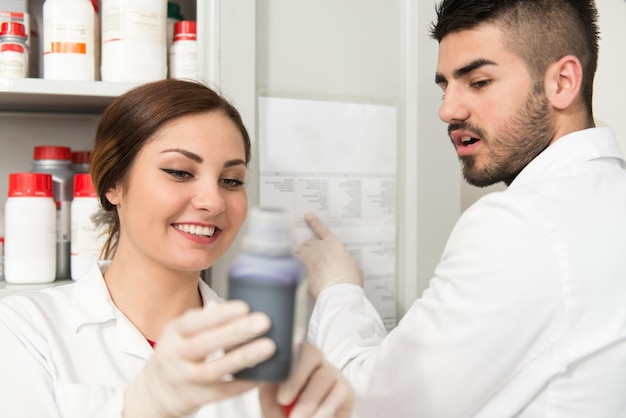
269	278
87	240
81	161
68	40
134	40
55	160
184	51
13	50
173	15
30	235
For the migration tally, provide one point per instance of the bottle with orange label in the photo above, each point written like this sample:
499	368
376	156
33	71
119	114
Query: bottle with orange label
68	40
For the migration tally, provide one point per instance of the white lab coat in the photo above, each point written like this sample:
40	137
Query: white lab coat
526	313
68	352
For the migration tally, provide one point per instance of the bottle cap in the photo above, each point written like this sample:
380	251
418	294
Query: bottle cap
30	185
173	11
83	186
268	232
52	153
185	30
13	28
81	157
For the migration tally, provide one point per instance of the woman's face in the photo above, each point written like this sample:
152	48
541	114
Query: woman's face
185	200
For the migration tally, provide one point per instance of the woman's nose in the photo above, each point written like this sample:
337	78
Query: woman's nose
209	197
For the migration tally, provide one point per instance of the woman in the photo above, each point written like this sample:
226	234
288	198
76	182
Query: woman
141	335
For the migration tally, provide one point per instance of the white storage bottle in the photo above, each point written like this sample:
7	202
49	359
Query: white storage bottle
13	50
173	16
68	40
134	40
55	160
30	230
87	240
184	52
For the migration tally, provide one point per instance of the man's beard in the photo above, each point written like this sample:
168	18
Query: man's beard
528	133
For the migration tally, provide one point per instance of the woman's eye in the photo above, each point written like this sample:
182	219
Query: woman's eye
232	183
178	174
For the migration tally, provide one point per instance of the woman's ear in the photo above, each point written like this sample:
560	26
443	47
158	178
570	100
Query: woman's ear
113	195
562	82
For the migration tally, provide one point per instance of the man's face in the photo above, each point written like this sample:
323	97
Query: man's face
498	121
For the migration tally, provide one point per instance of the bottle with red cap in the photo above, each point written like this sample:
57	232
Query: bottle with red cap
30	229
87	239
81	161
13	50
56	161
183	59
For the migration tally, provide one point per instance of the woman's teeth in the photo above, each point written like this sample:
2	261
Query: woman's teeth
197	230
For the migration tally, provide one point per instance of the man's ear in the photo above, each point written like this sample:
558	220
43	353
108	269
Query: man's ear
562	82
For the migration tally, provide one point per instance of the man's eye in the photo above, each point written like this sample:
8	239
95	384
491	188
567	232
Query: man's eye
480	83
178	174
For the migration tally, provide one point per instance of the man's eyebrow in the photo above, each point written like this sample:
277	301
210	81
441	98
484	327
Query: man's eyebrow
481	62
188	154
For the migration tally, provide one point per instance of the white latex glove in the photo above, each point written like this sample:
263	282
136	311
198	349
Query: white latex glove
179	378
315	389
327	260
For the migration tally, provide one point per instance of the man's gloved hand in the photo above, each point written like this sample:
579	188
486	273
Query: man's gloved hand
314	389
194	359
327	260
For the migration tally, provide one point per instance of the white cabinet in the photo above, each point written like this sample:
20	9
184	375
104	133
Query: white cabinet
48	112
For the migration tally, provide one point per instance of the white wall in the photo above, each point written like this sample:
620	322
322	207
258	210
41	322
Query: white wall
369	50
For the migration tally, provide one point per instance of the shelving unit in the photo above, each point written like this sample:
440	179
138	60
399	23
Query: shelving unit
52	96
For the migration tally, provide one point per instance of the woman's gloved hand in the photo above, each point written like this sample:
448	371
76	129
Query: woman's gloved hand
194	359
327	260
315	389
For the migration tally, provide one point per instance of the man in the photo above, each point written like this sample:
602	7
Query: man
526	313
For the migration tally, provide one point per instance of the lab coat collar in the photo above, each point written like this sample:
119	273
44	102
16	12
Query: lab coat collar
90	303
575	147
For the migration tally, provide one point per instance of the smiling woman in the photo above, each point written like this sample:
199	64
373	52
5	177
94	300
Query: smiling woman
145	335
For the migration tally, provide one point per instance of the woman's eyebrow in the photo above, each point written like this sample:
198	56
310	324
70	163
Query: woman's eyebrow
188	154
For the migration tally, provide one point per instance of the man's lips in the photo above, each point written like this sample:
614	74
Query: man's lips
464	141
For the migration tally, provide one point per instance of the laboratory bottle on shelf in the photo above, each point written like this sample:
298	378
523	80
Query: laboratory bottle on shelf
68	40
173	15
87	239
184	52
270	279
134	40
13	50
81	161
55	160
30	230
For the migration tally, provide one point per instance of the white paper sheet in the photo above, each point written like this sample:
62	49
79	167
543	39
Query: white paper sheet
338	160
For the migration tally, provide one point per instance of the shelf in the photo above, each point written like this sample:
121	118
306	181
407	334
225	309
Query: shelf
39	95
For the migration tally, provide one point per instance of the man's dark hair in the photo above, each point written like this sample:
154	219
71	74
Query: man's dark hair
540	31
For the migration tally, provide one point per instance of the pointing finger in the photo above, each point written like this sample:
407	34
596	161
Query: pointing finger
317	226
